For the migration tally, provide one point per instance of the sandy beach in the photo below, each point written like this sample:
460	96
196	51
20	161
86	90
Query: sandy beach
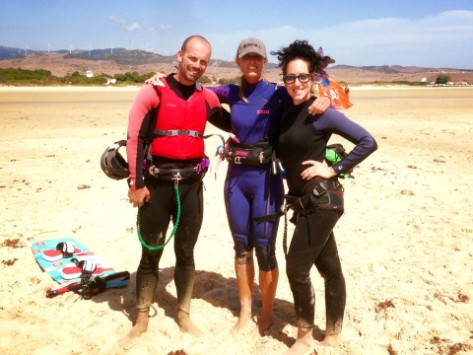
405	240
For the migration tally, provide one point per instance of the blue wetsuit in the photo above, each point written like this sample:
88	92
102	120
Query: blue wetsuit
252	191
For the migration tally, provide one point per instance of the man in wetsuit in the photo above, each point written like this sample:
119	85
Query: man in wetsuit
175	112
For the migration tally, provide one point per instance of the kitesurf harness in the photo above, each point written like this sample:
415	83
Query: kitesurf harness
175	172
323	194
257	154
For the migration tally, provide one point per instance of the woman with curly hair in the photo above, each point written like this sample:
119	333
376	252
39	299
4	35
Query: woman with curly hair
315	194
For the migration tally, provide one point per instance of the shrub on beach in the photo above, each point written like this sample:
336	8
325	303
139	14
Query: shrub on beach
12	76
78	79
443	79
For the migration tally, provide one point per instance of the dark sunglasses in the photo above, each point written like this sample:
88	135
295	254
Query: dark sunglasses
291	78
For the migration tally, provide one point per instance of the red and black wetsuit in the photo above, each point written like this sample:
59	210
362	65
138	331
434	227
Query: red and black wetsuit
172	107
180	107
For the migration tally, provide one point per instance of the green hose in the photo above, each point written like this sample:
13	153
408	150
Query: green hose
176	225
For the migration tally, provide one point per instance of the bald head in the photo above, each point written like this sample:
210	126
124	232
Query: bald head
197	38
193	59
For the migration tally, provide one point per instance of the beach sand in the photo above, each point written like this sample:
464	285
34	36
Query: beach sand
405	240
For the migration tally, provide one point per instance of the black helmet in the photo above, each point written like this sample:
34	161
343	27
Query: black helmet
113	164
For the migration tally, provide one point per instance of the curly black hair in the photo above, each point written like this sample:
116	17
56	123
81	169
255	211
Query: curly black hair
299	50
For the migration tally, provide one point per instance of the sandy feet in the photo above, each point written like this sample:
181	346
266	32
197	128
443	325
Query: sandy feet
305	343
183	321
185	324
244	324
330	340
263	325
301	347
141	324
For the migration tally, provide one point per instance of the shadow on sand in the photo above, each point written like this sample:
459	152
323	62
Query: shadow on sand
219	291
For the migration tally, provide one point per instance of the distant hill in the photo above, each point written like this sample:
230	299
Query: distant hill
120	60
11	53
120	56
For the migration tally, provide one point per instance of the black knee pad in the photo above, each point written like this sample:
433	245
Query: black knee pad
266	258
244	258
242	255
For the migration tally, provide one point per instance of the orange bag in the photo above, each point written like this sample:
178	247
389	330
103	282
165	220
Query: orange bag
334	91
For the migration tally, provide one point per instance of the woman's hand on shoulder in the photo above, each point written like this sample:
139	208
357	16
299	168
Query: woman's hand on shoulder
155	78
320	105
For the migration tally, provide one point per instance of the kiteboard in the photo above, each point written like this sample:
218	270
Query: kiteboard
67	260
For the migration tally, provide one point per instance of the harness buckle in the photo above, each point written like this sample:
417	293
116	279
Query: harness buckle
320	189
153	170
261	157
176	177
285	207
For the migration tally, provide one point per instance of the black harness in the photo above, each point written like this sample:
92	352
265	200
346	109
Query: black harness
261	153
179	172
325	195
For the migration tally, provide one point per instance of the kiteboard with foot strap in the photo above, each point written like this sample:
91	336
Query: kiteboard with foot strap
68	261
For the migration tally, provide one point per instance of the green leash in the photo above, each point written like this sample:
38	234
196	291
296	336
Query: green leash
176	224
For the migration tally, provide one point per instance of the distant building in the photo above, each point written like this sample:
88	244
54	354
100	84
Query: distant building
89	74
110	81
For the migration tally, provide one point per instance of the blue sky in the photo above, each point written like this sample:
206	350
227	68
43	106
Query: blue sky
428	33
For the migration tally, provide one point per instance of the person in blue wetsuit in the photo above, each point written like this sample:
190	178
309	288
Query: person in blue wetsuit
253	187
315	194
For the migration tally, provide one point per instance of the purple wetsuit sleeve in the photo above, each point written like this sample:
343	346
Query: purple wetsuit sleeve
222	92
221	119
333	121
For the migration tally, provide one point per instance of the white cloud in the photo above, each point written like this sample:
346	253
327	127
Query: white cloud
445	39
132	27
128	26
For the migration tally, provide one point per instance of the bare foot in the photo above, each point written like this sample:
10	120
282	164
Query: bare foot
242	324
185	324
264	324
141	324
301	347
304	344
331	340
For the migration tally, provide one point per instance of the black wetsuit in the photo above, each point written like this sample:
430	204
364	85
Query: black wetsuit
304	137
155	216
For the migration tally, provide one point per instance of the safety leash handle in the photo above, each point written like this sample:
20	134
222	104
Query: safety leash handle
176	224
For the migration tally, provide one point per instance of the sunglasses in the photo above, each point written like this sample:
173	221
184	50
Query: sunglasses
291	78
